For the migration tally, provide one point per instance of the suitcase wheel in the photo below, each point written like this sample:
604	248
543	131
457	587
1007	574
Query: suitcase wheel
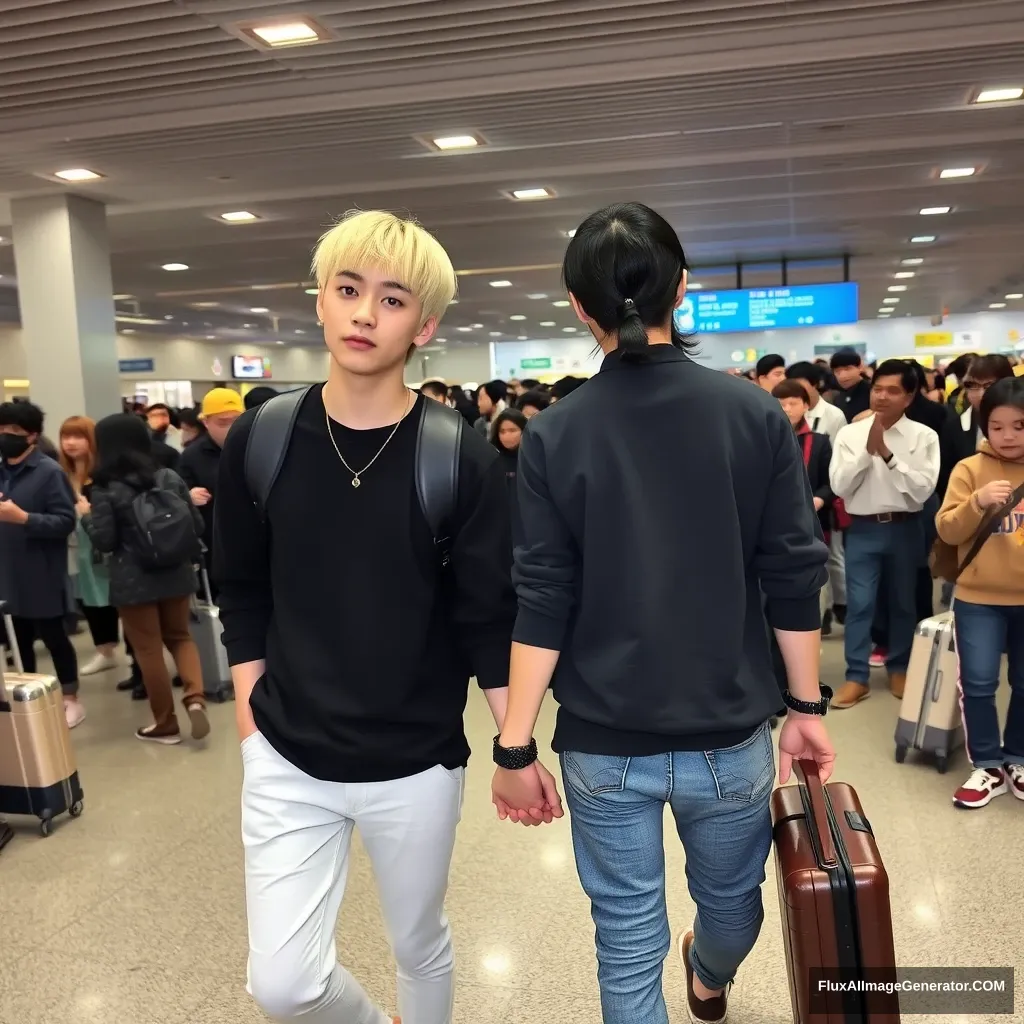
75	810
901	754
45	827
942	763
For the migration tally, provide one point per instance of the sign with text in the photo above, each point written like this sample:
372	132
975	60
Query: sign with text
933	339
536	363
135	366
763	309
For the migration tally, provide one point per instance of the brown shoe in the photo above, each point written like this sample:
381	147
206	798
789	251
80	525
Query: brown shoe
701	1011
849	694
897	684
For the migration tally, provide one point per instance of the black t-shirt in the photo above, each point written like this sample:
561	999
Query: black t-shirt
369	644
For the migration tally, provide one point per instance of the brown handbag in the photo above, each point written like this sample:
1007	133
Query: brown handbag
944	558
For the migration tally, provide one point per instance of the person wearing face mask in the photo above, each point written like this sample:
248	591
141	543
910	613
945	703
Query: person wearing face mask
200	461
37	515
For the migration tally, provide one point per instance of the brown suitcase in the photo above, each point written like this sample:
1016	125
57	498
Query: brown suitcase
834	898
38	775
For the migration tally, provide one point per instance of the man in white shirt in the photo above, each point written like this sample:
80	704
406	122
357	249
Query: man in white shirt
885	468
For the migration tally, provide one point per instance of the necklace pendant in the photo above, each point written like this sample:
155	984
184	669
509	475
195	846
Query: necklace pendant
355	481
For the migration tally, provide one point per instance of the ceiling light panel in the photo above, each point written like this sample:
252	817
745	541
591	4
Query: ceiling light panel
453	143
1000	94
958	172
897	287
923	239
912	261
501	284
1015	295
531	194
279	33
237	217
904	275
934	211
997	305
891	300
174	266
77	174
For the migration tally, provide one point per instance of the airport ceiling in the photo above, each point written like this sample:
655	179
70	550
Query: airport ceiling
808	130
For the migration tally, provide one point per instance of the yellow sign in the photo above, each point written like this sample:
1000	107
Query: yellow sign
934	339
751	355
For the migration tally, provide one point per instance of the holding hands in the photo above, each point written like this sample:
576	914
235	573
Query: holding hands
528	796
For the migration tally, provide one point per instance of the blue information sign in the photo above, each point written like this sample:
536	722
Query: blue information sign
762	309
135	366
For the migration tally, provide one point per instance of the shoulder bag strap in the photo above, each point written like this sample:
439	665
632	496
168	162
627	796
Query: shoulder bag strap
267	443
437	470
987	528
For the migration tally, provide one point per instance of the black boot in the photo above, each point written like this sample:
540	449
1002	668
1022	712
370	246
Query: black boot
139	692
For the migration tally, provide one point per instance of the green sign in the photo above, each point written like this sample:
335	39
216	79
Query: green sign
538	363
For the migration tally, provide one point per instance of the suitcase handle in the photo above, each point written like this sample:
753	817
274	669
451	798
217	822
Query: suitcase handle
808	777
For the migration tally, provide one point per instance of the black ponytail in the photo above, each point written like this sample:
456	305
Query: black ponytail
624	266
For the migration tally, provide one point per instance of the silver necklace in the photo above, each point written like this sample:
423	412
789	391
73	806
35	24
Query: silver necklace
356	474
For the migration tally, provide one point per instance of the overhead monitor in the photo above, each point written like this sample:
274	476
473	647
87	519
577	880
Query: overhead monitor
765	309
250	368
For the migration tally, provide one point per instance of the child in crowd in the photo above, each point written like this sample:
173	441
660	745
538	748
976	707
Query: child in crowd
985	491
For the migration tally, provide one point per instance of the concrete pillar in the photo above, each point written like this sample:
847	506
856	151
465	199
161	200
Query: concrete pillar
65	291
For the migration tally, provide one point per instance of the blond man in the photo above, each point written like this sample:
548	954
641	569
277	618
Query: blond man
352	647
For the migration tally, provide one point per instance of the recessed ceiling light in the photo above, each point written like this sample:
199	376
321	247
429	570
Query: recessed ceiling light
522	337
999	94
561	303
934	211
205	305
997	305
211	337
694	286
538	295
300	332
569	330
238	216
517	316
447	142
296	32
547	323
464	329
884	311
571	233
891	301
897	287
259	309
440	341
77	174
912	261
312	291
477	327
501	284
121	298
454	302
1015	295
495	334
958	172
127	330
170	316
531	193
923	239
175	266
247	326
905	274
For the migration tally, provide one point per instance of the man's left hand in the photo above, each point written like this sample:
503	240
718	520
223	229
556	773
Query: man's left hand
528	796
11	513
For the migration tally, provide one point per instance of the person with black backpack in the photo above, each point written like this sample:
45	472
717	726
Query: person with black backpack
142	516
363	552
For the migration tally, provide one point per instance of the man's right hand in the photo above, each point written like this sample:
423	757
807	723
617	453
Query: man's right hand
994	494
804	737
200	496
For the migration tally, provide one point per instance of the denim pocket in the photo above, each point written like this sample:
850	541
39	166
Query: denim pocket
595	773
744	772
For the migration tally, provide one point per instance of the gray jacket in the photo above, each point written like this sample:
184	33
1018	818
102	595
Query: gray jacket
111	527
34	557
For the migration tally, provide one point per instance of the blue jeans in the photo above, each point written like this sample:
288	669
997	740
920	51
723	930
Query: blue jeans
720	803
898	548
983	632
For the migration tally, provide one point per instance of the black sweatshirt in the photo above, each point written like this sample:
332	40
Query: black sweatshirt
369	645
656	504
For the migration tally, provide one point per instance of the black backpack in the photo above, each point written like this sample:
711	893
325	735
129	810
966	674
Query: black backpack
165	532
437	459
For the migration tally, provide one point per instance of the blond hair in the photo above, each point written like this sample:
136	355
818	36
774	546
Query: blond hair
375	238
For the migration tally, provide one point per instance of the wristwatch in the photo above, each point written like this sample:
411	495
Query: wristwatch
514	759
809	707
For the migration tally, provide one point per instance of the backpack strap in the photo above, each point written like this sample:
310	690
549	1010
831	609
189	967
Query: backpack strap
437	470
267	443
988	528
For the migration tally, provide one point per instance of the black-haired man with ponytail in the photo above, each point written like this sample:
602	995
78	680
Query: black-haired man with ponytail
656	506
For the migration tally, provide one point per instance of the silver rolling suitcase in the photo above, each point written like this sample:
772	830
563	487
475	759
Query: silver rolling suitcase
930	718
206	630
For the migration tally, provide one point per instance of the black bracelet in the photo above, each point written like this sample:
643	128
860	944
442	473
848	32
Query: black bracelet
809	707
514	759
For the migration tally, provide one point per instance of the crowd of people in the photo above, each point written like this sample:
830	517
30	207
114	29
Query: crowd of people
674	624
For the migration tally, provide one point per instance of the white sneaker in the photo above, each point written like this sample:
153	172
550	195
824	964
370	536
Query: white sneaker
1015	779
74	713
98	663
980	789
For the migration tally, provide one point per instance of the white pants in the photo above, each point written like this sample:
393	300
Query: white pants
297	832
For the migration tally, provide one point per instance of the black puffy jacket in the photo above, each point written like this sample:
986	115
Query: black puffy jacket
111	527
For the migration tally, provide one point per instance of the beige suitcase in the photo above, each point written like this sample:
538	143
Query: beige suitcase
38	775
930	716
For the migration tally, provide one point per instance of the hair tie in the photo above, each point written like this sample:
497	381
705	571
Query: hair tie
630	305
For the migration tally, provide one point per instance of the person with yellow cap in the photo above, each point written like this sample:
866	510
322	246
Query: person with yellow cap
200	461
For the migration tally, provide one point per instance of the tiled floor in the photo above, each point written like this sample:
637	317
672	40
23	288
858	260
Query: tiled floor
134	912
